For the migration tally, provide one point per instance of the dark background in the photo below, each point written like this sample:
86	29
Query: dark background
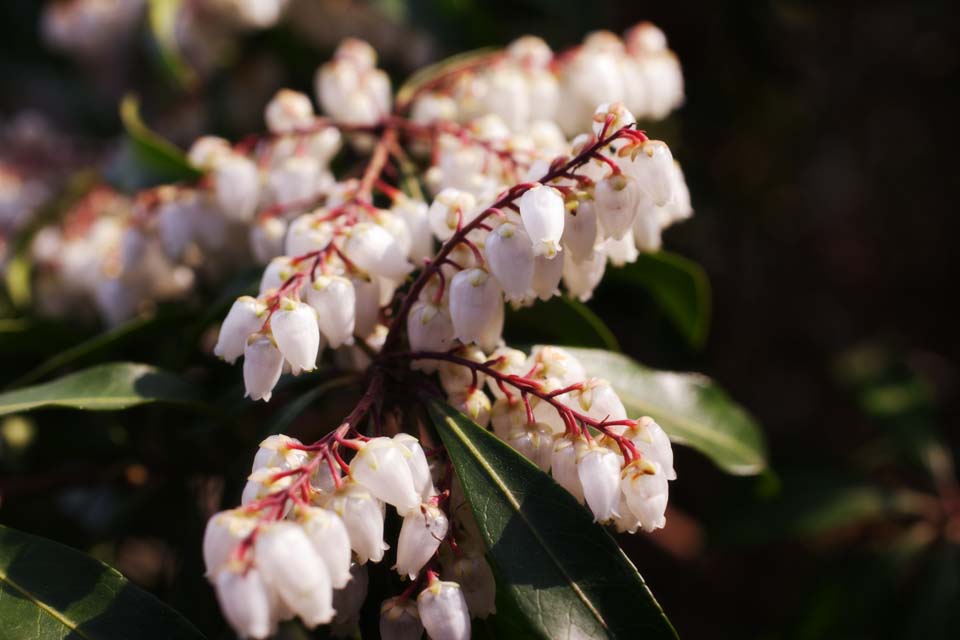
818	140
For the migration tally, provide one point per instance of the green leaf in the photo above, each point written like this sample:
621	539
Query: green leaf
51	591
430	74
107	387
561	320
565	573
147	159
163	26
690	407
680	286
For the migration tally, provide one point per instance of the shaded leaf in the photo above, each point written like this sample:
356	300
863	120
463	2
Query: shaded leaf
48	590
679	285
690	407
107	387
565	573
163	26
561	320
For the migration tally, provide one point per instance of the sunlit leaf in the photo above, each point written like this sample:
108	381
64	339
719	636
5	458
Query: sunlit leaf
565	573
51	591
690	407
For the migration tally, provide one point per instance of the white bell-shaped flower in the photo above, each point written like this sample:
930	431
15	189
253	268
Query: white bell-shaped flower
456	378
599	471
246	601
535	442
295	180
581	278
245	318
295	329
413	213
419	467
653	169
625	521
449	208
473	403
476	308
623	251
330	540
646	490
266	239
654	444
420	537
507	416
307	233
618	115
563	464
277	272
288	111
542	210
279	451
598	400
362	515
400	620
291	566
616	199
429	327
366	292
547	273
443	611
262	482
335	302
262	365
375	251
380	465
580	230
225	530
476	581
236	187
206	151
679	207
506	361
510	258
558	365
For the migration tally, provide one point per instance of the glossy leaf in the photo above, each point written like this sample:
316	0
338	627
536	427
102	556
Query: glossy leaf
561	320
678	285
106	387
690	407
48	590
565	573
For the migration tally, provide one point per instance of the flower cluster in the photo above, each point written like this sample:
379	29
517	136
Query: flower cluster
309	524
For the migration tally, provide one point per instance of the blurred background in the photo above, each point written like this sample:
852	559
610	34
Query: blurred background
818	142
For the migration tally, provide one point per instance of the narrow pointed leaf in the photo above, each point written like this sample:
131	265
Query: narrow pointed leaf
107	387
51	591
565	573
690	407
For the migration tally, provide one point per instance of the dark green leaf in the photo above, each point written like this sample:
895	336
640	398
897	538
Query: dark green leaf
690	407
107	387
680	286
565	573
561	320
48	590
147	159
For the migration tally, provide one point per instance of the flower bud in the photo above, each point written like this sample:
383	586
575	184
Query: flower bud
277	272
335	302
367	312
653	444
295	180
380	465
618	114
580	230
563	464
330	540
583	277
616	199
646	490
419	468
598	400
455	377
207	151
224	531
362	515
476	308
290	566
288	111
599	471
546	276
535	442
420	537
246	602
262	364
510	258
400	620
476	581
307	233
276	451
429	327
474	404
542	210
295	329
450	208
375	251
262	482
506	361
443	611
236	186
559	365
244	319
